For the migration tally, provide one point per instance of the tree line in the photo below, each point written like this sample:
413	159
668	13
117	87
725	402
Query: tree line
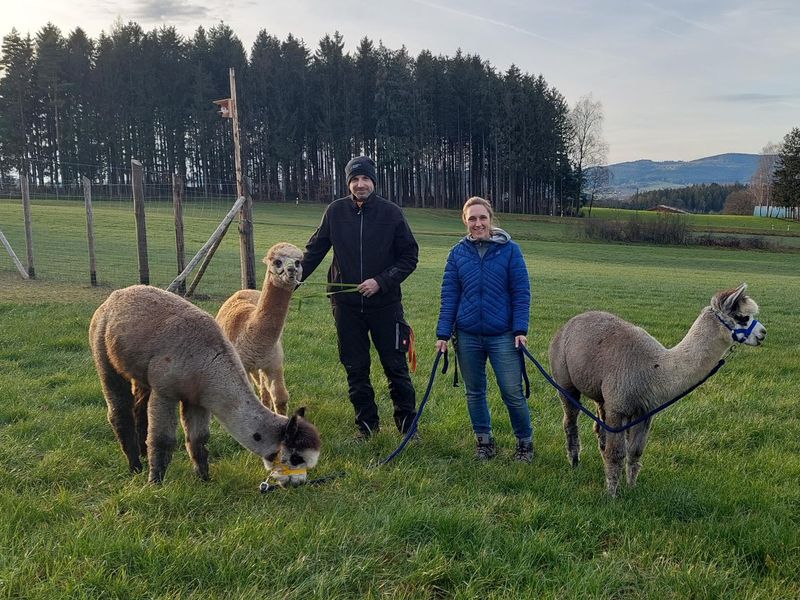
698	198
442	128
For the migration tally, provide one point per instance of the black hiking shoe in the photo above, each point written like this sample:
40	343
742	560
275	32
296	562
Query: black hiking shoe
485	448
524	452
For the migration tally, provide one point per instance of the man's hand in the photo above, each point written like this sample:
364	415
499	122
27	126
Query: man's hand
520	340
369	287
441	345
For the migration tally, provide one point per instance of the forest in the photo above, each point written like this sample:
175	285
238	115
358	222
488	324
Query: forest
441	128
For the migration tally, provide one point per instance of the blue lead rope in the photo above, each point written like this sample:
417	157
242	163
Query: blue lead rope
577	404
413	428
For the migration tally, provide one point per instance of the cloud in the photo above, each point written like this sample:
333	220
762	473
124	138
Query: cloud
167	10
487	20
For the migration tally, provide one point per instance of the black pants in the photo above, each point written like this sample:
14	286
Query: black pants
354	327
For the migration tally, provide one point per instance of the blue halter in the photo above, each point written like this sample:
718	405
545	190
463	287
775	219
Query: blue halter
739	334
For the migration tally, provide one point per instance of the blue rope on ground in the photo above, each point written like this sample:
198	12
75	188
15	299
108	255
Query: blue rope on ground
413	428
577	404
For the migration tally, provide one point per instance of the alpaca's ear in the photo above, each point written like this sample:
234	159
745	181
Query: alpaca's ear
265	260
291	429
300	412
733	298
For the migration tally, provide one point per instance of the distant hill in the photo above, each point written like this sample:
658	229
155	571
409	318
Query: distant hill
645	175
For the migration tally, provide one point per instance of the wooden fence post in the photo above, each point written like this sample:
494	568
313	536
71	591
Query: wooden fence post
141	228
13	256
208	248
87	200
177	204
26	211
246	245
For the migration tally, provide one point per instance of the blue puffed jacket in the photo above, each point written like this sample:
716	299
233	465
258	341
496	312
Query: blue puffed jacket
485	296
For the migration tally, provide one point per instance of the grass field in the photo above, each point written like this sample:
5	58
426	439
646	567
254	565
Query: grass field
716	513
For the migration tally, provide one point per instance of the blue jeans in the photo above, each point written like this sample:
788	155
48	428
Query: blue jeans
472	351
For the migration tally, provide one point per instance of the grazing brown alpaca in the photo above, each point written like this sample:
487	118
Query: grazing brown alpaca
627	372
155	351
253	321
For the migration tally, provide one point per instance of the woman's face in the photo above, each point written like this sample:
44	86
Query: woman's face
478	222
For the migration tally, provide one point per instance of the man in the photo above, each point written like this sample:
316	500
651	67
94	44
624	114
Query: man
374	248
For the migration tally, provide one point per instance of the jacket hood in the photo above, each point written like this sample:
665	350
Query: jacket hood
498	236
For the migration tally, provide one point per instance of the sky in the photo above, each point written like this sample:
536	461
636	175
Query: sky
678	79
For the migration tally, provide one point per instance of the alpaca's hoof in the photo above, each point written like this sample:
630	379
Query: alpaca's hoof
575	461
135	467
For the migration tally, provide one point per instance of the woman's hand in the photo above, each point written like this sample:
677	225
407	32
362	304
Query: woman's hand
520	340
441	345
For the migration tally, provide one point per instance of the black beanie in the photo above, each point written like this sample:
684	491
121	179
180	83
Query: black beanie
361	165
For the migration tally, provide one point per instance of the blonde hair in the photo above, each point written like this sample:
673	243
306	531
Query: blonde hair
481	201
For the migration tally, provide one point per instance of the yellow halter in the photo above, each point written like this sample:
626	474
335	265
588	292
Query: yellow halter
281	470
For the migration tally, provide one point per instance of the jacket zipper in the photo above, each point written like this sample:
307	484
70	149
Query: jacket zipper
361	250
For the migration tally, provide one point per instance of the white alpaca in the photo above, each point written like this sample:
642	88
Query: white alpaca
627	372
253	321
154	351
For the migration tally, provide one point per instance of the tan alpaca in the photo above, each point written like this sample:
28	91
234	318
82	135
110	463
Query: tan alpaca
155	351
627	372
254	322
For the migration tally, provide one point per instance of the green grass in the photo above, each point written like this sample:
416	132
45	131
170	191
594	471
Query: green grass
716	513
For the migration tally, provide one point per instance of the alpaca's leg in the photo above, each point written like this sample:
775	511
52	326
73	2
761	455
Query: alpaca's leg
599	431
120	401
162	420
637	440
262	385
196	420
614	453
277	389
570	422
141	395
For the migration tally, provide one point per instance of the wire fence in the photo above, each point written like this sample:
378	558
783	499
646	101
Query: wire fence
60	241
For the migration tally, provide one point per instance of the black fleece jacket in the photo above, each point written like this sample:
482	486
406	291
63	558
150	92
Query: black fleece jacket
373	241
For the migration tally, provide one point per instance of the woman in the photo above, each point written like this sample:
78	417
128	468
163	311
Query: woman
486	298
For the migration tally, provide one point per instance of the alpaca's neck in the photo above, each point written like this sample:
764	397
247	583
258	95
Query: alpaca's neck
249	422
697	353
273	305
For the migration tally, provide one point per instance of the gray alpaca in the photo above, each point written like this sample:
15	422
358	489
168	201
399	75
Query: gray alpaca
155	351
627	372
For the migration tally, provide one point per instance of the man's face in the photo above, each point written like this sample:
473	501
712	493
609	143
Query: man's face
361	187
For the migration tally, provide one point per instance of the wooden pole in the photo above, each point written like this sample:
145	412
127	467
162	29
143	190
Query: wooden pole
26	211
177	204
87	200
141	227
212	242
13	256
247	255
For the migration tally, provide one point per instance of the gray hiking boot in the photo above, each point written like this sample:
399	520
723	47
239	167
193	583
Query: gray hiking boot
485	448
524	451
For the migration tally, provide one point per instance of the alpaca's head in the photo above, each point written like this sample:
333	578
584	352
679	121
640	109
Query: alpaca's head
299	450
284	267
738	313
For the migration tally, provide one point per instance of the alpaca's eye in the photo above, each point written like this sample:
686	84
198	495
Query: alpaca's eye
741	319
277	263
297	264
296	459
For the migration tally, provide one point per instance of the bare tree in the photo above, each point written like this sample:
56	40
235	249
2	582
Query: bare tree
761	182
588	149
597	180
739	202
